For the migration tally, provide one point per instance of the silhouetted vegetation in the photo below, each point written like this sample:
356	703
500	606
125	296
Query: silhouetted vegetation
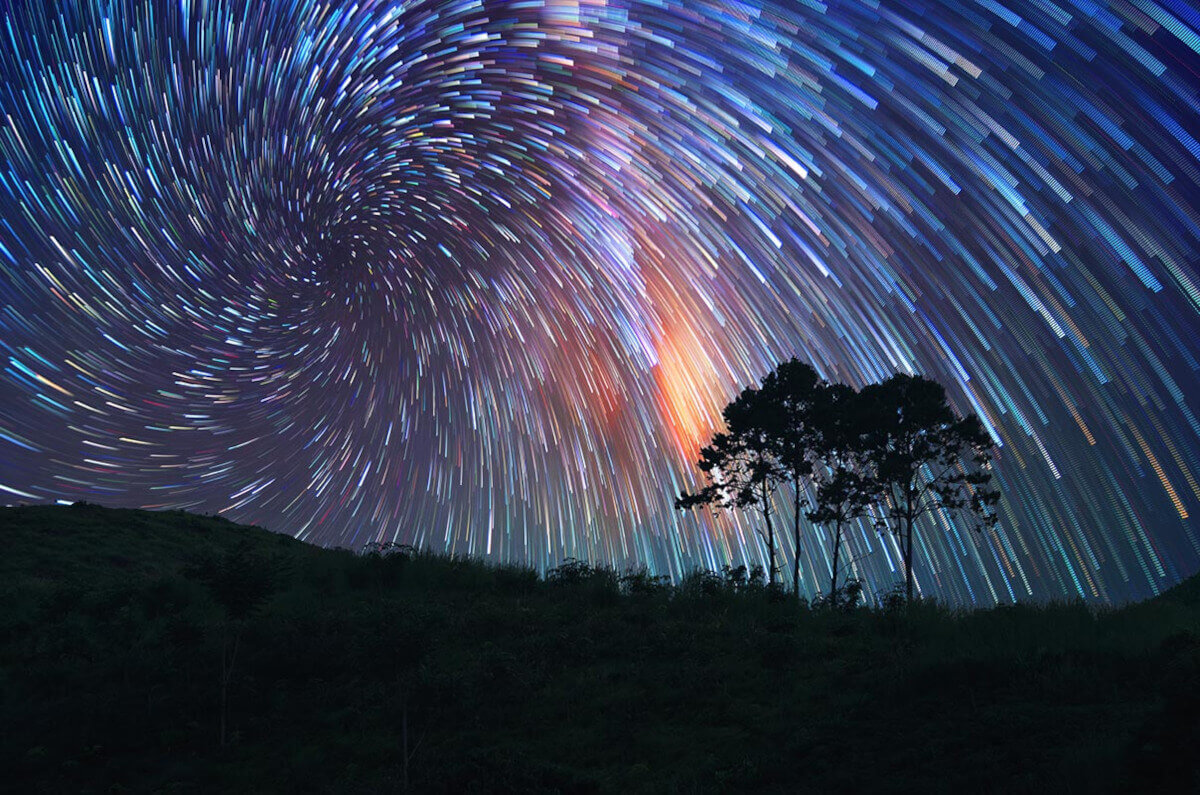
398	670
239	580
916	457
896	451
785	409
743	467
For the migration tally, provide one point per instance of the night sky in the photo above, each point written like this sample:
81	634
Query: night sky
480	276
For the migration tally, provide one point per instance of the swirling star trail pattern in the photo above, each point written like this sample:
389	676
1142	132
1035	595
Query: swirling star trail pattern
480	276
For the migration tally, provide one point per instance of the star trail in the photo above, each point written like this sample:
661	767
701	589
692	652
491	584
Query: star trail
480	276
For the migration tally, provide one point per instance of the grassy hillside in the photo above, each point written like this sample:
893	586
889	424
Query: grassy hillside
432	674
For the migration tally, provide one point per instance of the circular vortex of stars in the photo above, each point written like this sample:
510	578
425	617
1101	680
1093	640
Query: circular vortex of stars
480	276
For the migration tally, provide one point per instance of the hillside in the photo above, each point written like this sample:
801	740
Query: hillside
429	674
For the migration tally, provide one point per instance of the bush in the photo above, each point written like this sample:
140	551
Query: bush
702	582
386	549
517	579
741	578
846	598
239	580
893	599
571	571
641	582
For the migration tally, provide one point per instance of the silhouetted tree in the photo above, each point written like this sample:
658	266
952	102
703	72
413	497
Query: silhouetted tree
240	582
783	410
917	457
838	425
742	467
841	498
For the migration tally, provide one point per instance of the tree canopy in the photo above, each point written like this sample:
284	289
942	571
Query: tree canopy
895	451
918	457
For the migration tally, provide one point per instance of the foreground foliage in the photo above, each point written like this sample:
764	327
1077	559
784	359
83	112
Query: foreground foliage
406	671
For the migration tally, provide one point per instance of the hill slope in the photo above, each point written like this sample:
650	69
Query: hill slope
430	674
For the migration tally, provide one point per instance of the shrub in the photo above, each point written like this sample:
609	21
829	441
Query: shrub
702	582
571	571
517	579
387	549
846	598
741	578
641	582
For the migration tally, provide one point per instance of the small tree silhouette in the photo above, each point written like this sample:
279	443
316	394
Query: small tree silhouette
917	457
841	498
838	424
784	411
239	581
743	467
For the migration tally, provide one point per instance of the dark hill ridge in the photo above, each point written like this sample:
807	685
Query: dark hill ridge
1186	593
432	674
90	545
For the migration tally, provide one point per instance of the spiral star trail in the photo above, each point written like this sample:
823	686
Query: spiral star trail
480	276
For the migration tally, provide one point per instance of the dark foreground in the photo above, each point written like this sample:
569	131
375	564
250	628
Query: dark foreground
426	674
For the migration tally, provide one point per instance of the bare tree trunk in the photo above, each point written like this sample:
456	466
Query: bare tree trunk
766	497
837	548
796	535
908	559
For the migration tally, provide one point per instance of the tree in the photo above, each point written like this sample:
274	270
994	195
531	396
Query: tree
239	581
838	425
784	413
841	498
916	457
742	468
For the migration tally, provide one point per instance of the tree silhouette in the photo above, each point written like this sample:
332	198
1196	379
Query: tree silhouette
897	444
841	498
917	457
742	467
839	425
240	581
784	412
